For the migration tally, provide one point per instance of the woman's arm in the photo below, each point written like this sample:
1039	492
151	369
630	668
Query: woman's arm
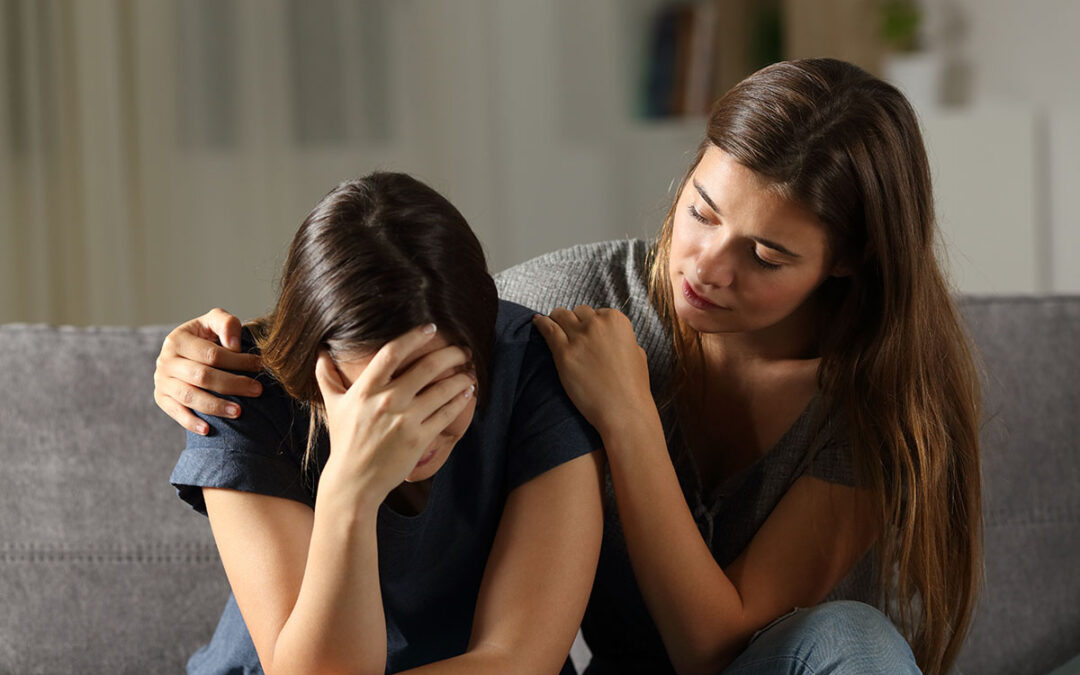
307	582
538	575
312	607
705	614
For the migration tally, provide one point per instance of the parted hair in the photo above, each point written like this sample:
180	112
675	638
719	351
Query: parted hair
376	257
896	362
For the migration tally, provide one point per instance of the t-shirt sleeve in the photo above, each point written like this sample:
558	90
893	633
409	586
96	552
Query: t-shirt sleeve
260	452
546	429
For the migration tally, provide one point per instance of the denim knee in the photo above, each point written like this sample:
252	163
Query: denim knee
832	638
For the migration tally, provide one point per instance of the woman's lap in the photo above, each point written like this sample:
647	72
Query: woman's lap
838	638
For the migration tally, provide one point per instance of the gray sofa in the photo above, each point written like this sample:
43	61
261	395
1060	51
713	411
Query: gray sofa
103	570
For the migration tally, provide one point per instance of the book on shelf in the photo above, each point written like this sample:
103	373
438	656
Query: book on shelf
696	51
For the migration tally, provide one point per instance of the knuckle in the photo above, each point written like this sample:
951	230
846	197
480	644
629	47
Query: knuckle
186	397
210	355
384	404
199	376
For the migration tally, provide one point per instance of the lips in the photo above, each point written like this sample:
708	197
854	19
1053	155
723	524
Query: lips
428	456
697	301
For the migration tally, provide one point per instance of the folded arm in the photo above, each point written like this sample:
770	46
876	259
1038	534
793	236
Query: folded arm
307	582
538	576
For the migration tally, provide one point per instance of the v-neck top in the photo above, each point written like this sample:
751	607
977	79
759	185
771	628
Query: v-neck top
617	627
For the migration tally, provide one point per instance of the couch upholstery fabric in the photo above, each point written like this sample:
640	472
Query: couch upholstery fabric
104	570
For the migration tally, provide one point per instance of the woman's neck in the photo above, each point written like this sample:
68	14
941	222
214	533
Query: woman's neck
793	339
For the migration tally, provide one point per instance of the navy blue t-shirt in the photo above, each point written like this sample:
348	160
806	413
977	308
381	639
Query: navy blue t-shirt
430	564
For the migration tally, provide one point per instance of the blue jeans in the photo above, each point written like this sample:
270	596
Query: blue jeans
840	638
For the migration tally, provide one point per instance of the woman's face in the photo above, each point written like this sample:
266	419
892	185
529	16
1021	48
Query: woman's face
438	452
743	258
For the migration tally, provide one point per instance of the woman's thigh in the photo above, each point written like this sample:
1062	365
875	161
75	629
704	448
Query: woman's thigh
839	637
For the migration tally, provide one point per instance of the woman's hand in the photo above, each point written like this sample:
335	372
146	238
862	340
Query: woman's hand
193	358
601	366
399	402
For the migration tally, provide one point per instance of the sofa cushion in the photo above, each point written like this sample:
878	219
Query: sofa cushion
102	568
1028	618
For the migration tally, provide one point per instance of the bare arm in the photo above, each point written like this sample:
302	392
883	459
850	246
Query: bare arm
705	614
307	583
538	575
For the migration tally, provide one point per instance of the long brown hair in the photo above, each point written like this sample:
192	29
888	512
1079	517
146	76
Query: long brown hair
895	360
376	257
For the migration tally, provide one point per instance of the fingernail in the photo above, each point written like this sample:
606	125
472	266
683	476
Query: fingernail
256	389
202	429
470	390
232	410
429	329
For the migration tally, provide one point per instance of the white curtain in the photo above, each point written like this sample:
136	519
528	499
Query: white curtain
156	156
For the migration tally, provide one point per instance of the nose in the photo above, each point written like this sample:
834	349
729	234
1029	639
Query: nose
714	264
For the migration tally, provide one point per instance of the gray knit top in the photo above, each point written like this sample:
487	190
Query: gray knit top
617	625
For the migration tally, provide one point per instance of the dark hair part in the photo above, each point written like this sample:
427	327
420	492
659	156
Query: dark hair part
896	362
377	257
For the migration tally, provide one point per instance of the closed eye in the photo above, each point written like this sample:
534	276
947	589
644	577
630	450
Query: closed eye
696	215
761	261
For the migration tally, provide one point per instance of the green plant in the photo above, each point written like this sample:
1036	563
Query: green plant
900	22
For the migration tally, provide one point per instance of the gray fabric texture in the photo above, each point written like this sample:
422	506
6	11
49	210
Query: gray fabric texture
102	569
1028	619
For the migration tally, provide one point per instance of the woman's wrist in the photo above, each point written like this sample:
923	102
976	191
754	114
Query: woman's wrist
349	492
629	426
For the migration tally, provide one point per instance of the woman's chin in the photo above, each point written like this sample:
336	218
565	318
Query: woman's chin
702	322
428	466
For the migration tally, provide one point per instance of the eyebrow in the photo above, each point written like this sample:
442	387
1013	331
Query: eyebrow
761	240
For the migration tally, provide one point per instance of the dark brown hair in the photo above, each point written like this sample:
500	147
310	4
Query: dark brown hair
377	257
896	362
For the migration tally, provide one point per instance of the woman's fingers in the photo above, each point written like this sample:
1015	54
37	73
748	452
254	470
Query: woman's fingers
584	312
181	415
396	353
564	317
193	398
205	377
435	397
189	345
222	325
443	416
431	367
551	331
328	378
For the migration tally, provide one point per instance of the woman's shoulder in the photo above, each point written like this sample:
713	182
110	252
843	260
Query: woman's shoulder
603	274
608	274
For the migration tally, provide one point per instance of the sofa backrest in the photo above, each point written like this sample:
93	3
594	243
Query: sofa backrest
1028	619
103	569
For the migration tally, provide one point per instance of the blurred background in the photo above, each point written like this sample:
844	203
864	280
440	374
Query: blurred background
156	156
